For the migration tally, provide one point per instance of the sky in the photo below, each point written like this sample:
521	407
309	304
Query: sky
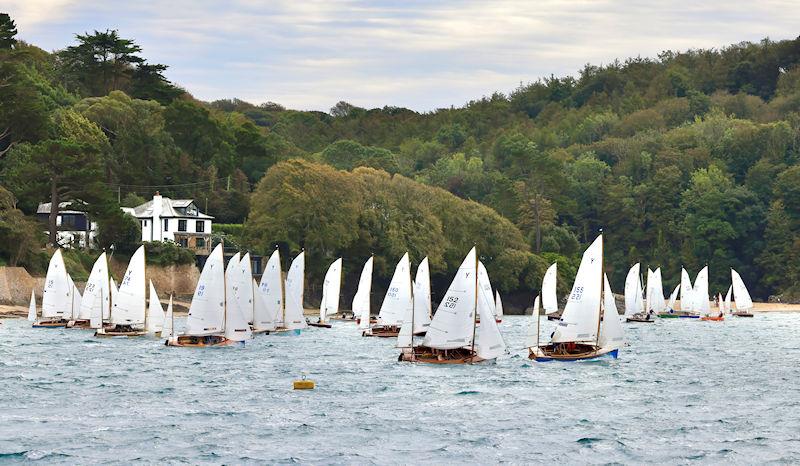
423	55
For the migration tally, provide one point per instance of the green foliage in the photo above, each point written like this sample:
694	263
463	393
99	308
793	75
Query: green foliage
22	237
167	253
8	29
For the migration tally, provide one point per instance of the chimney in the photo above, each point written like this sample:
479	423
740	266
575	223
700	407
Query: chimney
157	232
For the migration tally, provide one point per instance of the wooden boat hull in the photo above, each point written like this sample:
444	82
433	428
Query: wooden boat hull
261	331
742	314
50	324
547	353
390	331
112	333
425	355
635	319
206	341
556	316
713	319
319	325
80	324
371	321
678	315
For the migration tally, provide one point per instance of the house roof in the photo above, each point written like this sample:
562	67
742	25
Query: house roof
44	208
168	207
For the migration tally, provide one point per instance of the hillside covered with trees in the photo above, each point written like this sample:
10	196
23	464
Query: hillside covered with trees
686	159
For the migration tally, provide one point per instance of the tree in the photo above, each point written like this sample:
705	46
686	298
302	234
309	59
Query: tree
101	62
8	29
148	83
61	170
21	235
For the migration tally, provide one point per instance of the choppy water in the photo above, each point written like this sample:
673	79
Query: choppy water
682	392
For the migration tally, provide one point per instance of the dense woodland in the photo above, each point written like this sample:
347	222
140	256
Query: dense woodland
690	158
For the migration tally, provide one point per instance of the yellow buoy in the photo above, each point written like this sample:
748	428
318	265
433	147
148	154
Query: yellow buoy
304	384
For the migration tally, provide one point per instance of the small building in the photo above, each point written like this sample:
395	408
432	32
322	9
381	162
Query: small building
177	220
73	226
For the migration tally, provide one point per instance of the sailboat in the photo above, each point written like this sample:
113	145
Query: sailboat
687	300
154	323
331	287
549	298
96	302
32	307
583	332
744	304
728	307
700	294
397	304
422	298
129	305
720	316
672	298
293	321
656	303
361	300
269	309
498	307
168	329
57	295
454	336
532	336
211	322
243	297
634	306
75	320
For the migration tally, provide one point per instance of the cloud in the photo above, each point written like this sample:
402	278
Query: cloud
411	53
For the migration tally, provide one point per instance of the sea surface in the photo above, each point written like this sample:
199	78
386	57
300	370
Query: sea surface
681	392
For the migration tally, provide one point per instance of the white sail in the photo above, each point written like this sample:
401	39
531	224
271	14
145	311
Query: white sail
728	307
498	306
687	299
232	282
700	292
95	298
720	304
673	297
611	333
294	318
57	295
489	342
263	317
549	299
236	326
454	322
633	293
532	337
582	312
207	310
422	297
166	330
657	303
740	294
361	306
405	337
271	289
244	288
648	295
155	313
75	299
130	304
398	305
32	307
331	287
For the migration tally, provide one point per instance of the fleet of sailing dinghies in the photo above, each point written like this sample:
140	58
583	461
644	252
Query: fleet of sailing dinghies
397	305
129	304
228	306
331	286
549	298
585	331
454	336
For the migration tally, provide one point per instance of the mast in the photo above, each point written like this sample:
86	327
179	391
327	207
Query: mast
413	310
172	316
475	312
602	293
537	326
144	272
224	292
110	294
283	291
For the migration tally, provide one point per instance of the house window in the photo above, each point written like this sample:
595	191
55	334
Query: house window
181	225
144	223
200	225
184	242
166	224
200	242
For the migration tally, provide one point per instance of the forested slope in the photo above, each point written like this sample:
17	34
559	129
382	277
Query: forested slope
690	158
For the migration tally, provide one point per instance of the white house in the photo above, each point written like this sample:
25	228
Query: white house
73	226
178	220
